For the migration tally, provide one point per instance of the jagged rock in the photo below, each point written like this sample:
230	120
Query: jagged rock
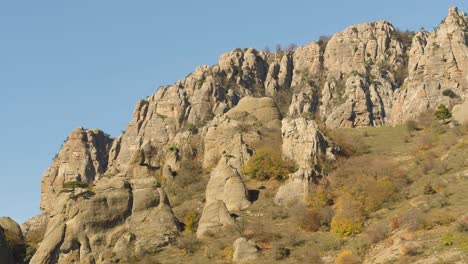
304	102
34	229
438	61
83	157
307	63
236	130
306	146
357	46
244	250
229	141
88	228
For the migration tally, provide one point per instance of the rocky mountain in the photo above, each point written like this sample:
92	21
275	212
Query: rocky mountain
110	200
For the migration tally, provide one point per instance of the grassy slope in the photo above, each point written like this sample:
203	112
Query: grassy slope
417	224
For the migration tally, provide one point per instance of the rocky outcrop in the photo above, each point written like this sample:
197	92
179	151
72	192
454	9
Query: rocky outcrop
34	229
367	75
244	250
307	147
230	141
12	244
83	157
114	220
438	62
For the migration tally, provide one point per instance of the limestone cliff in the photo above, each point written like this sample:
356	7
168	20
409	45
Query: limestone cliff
104	200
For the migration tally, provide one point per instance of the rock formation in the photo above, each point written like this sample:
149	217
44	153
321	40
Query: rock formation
115	220
229	142
244	250
307	147
103	200
83	157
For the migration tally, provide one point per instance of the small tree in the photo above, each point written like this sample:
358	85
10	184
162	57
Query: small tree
443	113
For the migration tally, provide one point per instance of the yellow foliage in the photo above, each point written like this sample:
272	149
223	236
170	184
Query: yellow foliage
267	164
345	227
190	220
347	257
228	252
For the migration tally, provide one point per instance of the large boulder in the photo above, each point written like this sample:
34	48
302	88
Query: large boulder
244	250
90	225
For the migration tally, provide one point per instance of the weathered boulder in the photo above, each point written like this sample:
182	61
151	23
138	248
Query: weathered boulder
306	146
244	250
88	226
34	229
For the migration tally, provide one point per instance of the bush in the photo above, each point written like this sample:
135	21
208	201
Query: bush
190	221
282	253
449	93
347	257
267	164
443	113
308	220
75	184
447	239
345	227
428	190
188	243
411	126
378	232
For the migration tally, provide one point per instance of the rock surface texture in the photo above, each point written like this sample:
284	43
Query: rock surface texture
244	250
306	146
104	200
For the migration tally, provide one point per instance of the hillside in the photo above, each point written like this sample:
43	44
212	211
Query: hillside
351	149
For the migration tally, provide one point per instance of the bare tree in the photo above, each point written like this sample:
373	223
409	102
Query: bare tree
292	47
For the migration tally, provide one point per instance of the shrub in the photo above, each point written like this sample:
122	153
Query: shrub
443	113
447	239
411	126
347	257
282	252
449	93
75	184
345	227
462	225
308	220
190	221
428	190
378	232
228	252
267	164
188	243
350	145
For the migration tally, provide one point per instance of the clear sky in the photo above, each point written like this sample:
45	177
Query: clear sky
67	64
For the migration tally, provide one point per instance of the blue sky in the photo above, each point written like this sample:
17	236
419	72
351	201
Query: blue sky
67	64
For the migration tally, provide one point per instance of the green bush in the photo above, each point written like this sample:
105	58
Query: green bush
443	113
449	93
267	164
75	184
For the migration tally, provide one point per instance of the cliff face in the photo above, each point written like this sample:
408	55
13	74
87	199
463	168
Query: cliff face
105	199
438	62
